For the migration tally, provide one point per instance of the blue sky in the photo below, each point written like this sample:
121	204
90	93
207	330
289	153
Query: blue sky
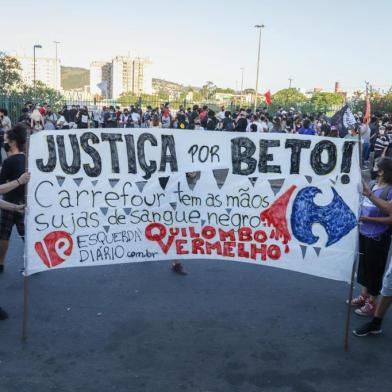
317	42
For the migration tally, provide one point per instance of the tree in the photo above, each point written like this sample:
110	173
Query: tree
9	73
42	93
224	90
127	99
208	90
288	97
325	100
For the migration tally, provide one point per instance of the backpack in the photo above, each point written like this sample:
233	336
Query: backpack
146	117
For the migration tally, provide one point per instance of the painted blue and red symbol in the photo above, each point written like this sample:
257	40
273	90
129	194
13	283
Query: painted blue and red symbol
336	218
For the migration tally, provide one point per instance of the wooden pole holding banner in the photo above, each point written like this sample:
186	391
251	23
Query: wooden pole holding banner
25	277
350	297
356	261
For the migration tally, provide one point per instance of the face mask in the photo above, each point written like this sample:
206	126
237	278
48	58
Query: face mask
6	147
382	132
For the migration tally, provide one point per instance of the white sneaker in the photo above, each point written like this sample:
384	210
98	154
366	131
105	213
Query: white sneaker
366	310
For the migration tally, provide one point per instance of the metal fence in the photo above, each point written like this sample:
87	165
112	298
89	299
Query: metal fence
15	104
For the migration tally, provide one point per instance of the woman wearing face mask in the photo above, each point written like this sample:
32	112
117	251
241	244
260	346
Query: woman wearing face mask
374	241
11	174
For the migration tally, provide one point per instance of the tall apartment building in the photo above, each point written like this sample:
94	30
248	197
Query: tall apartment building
121	75
47	71
100	75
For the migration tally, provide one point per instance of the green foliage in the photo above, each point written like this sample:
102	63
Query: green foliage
380	104
288	97
41	94
9	73
208	90
74	77
323	100
224	90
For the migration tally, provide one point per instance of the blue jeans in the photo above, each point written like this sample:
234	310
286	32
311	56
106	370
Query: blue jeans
365	151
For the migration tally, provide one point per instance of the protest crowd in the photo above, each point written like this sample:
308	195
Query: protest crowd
375	133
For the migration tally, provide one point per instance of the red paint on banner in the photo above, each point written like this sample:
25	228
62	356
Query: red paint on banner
275	216
55	248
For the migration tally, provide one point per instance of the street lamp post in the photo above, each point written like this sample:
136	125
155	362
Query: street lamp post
258	63
56	73
34	48
242	80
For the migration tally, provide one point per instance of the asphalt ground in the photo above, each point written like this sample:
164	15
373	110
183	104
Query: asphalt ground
227	326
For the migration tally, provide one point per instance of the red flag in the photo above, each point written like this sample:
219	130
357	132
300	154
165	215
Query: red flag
268	97
366	119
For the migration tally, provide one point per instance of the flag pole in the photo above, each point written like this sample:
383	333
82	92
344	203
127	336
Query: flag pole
356	261
25	277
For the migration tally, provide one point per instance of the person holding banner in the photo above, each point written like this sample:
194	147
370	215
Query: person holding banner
374	240
374	326
13	179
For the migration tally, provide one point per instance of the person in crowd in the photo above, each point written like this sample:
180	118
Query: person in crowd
118	114
146	117
5	122
82	118
352	133
96	117
365	136
333	132
276	126
166	118
374	326
181	120
37	121
227	123
374	241
11	174
306	128
43	108
254	125
212	121
155	121
192	116
136	119
25	116
381	143
198	126
110	118
380	147
72	116
221	115
241	122
50	119
263	123
203	116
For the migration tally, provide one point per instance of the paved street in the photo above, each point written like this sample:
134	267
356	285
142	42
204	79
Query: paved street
225	327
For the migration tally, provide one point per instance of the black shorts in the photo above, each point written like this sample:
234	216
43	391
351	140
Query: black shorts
7	220
372	261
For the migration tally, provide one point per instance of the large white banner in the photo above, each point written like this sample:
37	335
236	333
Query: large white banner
107	196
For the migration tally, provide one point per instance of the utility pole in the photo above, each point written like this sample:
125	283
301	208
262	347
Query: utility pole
36	46
242	80
56	69
290	80
260	27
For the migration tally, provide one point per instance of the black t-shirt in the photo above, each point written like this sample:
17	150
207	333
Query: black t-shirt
13	167
227	124
242	124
